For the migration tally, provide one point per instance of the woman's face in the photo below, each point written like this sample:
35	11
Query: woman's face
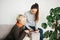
33	11
22	20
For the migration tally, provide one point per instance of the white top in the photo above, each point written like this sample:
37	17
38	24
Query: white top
30	20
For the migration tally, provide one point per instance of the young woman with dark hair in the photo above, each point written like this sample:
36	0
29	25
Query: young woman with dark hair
33	18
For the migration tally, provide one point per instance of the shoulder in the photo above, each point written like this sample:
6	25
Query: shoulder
14	27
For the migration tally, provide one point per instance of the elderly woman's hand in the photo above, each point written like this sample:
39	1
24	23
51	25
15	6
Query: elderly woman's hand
27	31
37	31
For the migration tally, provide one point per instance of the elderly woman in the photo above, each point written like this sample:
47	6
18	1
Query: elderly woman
18	31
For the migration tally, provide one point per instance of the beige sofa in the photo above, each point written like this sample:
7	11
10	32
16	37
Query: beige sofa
4	30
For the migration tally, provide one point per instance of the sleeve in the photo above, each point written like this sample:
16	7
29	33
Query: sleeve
27	21
16	34
27	26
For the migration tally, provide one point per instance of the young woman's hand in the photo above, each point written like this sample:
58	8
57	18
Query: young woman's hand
31	30
37	31
27	31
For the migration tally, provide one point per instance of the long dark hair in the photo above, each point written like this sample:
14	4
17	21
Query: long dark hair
37	13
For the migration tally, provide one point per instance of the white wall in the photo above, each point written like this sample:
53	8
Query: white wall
9	9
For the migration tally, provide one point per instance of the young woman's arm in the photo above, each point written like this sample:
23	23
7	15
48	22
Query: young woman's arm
26	21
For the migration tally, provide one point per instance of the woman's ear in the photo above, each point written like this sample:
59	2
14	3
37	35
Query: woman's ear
18	21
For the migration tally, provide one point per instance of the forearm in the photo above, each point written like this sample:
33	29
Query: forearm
27	26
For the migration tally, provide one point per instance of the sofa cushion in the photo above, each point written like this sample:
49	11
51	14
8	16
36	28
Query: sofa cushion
4	30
